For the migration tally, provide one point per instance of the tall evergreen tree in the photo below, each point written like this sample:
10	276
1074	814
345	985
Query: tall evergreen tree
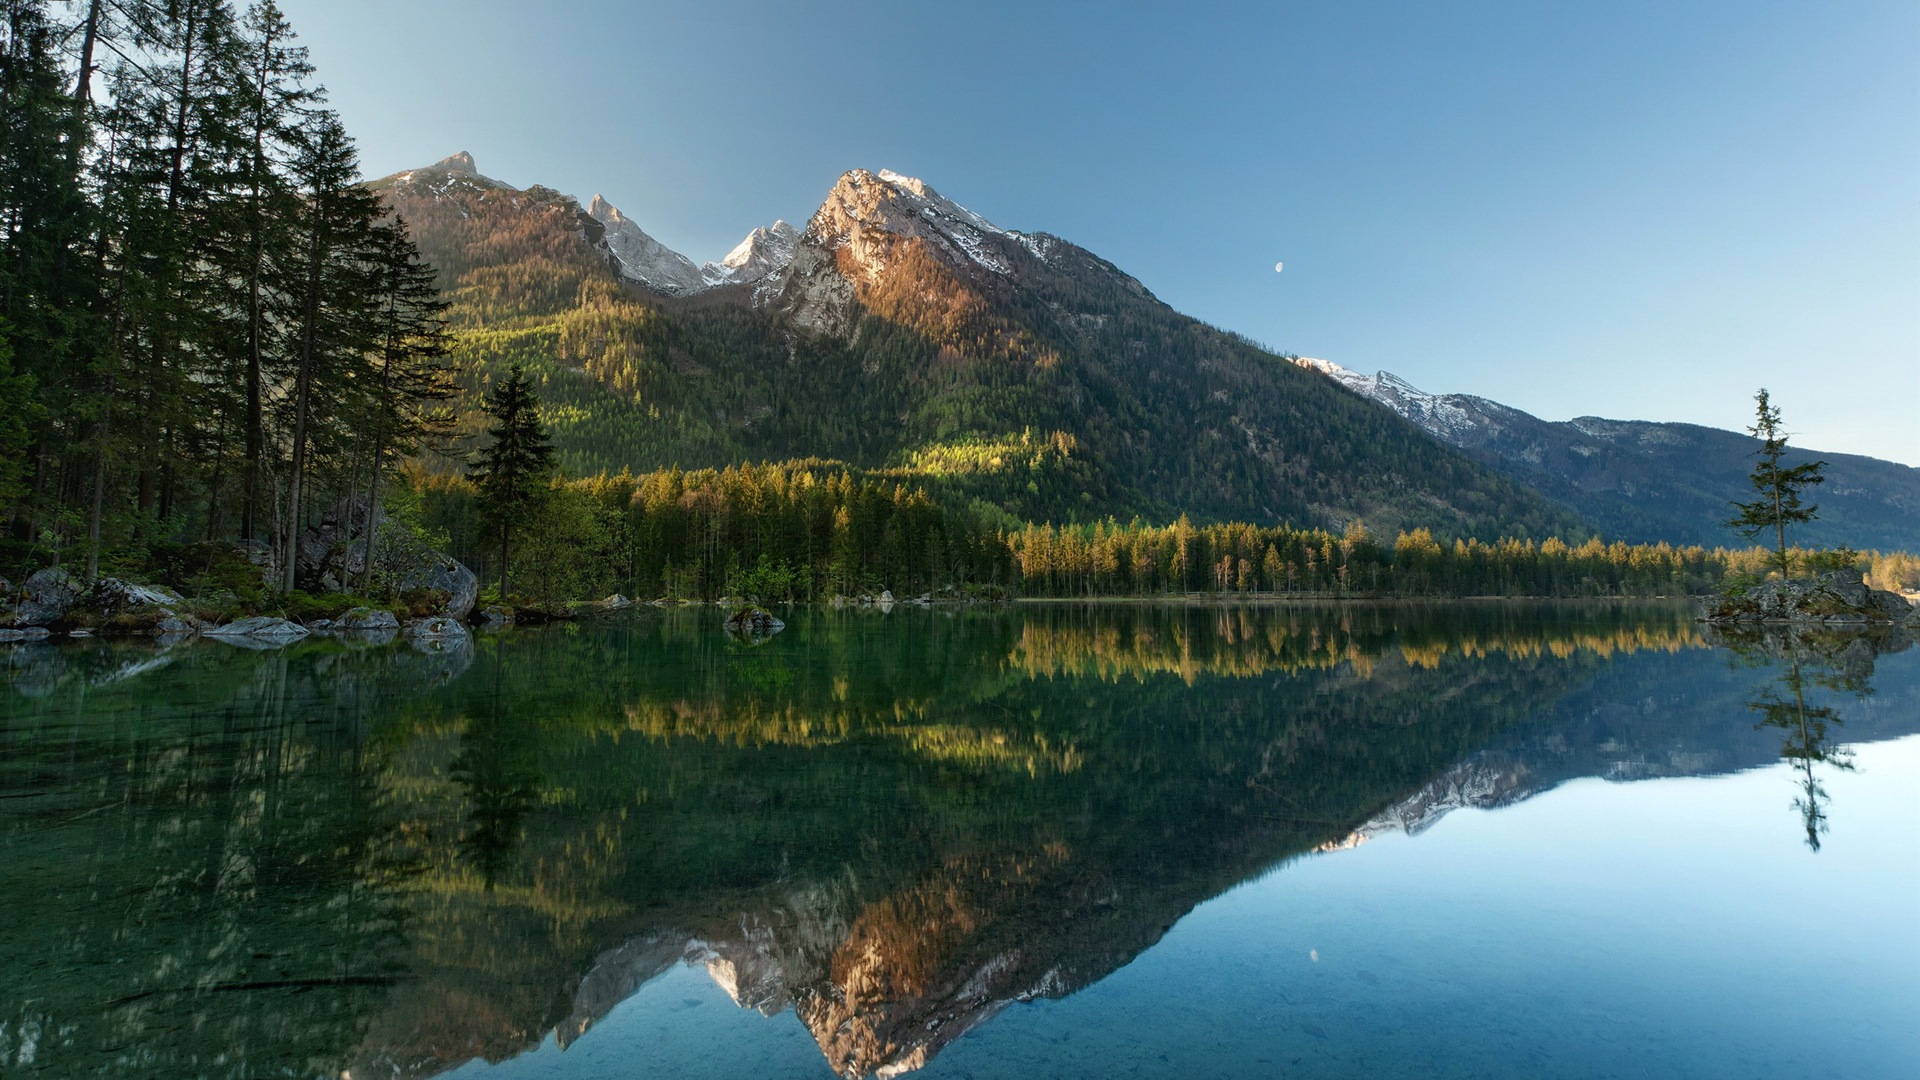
1778	486
514	470
336	304
414	381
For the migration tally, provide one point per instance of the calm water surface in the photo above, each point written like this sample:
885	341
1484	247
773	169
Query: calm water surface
1482	841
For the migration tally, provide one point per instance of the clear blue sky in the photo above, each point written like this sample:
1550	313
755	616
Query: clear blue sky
1635	210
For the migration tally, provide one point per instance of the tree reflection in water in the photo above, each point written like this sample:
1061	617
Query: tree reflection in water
891	826
1835	661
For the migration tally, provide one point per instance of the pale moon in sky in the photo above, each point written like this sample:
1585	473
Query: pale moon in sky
1279	266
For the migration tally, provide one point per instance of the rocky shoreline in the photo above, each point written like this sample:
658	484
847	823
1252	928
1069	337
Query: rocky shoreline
1839	598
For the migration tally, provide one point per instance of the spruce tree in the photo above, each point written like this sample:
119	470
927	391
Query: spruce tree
413	379
1778	486
514	470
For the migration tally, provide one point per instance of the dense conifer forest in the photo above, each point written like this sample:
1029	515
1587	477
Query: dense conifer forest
217	338
210	327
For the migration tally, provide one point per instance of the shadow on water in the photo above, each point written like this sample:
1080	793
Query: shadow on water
328	858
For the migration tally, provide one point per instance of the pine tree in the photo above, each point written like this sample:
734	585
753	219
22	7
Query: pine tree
18	413
413	377
1778	486
337	306
514	470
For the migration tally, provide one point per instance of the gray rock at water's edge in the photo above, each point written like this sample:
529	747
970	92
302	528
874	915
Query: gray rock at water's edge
259	630
1839	597
114	596
175	626
365	620
493	617
25	633
446	574
48	596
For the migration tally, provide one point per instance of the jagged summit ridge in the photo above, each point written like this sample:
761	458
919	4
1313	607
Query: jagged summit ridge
1455	418
640	258
765	252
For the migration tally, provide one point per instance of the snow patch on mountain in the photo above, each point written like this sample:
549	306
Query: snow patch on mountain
640	258
454	171
1460	419
766	252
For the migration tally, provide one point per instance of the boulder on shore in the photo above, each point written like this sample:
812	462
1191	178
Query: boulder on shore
47	597
259	631
114	596
365	620
1839	597
438	628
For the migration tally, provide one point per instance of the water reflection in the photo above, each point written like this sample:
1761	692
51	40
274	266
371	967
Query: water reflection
386	862
1812	663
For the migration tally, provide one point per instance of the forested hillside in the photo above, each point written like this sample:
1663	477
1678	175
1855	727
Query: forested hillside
1029	373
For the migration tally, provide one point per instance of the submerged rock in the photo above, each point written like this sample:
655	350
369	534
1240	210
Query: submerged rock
1839	597
24	633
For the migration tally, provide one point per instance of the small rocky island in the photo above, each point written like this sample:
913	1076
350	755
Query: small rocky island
1838	598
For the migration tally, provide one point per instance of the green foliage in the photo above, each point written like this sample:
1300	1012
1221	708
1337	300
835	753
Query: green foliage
1778	486
513	471
1109	559
302	607
19	413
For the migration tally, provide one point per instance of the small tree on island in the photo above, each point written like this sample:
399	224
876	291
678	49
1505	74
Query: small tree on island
1778	486
513	473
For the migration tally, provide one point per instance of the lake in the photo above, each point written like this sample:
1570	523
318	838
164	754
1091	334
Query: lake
1486	840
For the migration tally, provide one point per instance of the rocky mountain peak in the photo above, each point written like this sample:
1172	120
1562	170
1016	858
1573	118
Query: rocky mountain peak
639	258
765	252
461	162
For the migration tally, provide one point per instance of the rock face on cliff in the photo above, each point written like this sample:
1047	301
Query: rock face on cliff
1839	597
640	258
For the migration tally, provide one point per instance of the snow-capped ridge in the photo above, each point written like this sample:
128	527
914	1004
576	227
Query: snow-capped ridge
1450	417
766	251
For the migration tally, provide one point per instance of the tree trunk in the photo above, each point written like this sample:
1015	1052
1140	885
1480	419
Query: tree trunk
303	383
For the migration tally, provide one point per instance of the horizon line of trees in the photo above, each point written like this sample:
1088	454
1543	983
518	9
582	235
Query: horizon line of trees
208	327
810	530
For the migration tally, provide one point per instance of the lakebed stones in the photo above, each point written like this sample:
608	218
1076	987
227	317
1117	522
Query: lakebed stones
1840	597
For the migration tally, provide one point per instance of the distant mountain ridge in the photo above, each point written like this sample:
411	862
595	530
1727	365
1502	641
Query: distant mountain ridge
1648	481
900	331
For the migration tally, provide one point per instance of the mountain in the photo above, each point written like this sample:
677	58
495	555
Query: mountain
1644	481
765	252
901	332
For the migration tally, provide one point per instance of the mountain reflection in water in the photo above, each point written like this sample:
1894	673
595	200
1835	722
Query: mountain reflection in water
330	859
